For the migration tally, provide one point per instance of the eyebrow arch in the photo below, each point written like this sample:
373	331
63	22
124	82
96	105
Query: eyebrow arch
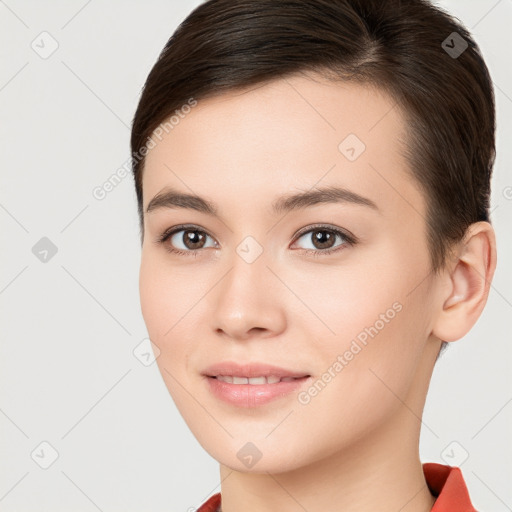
172	198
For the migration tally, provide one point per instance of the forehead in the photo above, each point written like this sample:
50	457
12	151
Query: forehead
293	133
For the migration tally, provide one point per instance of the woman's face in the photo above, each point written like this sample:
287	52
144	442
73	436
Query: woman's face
256	285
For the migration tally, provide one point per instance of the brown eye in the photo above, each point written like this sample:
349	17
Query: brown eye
193	239
183	240
322	240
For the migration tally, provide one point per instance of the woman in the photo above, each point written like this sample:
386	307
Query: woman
313	182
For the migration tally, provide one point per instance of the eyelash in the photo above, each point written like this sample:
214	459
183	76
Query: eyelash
349	240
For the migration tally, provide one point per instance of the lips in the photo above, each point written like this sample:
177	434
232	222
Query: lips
252	373
253	385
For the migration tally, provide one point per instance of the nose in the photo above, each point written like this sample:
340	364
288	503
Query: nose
249	301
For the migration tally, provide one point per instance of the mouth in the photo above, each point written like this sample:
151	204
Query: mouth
252	373
255	381
254	384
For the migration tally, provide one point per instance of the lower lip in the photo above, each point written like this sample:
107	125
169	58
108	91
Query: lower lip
253	395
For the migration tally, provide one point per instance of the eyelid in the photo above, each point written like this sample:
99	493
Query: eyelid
181	227
349	237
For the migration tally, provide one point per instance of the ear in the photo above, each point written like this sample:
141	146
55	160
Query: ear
468	280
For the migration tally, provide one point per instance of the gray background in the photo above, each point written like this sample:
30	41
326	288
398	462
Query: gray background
68	374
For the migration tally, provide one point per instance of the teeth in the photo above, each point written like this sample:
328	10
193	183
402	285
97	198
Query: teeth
257	380
271	379
225	378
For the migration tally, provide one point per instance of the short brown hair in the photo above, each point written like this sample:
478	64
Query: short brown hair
409	48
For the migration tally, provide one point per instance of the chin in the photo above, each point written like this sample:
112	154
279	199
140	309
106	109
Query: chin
259	456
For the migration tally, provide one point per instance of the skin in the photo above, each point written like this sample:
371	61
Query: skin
354	446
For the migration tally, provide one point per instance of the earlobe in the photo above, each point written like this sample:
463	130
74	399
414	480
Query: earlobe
470	280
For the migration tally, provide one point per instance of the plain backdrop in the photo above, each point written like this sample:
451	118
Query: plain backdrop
75	394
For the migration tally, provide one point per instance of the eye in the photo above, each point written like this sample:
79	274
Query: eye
185	240
322	239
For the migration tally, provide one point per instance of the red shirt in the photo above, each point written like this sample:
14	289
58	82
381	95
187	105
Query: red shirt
445	483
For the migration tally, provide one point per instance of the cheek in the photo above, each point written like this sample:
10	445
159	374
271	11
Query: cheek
153	299
164	307
373	331
166	294
170	297
346	299
162	304
361	383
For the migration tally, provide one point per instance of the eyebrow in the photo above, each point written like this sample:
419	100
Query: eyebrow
172	198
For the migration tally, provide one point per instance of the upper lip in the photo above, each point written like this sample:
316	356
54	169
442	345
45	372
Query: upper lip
251	370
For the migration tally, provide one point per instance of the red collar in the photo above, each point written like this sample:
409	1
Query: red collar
447	483
211	505
444	482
